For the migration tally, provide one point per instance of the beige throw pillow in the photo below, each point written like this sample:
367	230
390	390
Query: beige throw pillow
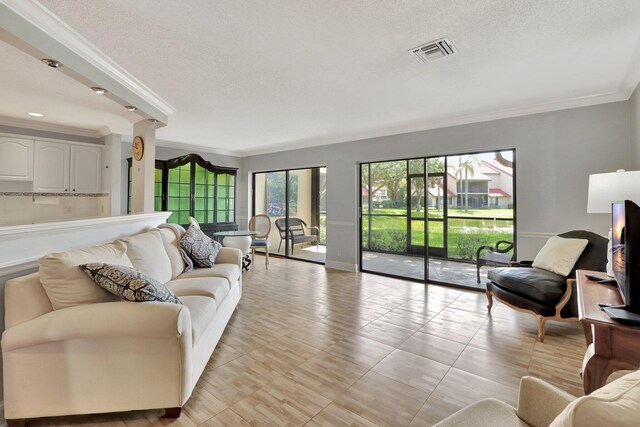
559	255
615	404
67	285
149	256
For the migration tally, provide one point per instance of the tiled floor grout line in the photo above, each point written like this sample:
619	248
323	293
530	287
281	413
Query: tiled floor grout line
453	363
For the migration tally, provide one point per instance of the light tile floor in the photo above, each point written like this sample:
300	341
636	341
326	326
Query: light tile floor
440	270
317	347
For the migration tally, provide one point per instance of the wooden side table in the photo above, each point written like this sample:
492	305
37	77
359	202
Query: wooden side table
612	346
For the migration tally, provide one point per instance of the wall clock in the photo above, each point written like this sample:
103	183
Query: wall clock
138	148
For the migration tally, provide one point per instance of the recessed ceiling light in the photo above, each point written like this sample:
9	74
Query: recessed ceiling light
52	63
36	114
131	108
99	90
153	120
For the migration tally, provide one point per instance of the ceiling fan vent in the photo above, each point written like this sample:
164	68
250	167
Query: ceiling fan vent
433	50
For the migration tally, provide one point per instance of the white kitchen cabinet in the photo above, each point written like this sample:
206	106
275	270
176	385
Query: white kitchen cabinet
86	169
67	168
16	159
51	167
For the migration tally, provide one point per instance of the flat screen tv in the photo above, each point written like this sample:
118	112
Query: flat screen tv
625	236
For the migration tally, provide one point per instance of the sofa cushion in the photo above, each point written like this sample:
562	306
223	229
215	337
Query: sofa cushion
129	283
148	255
66	285
231	272
172	247
203	310
534	283
200	248
486	412
212	287
615	404
560	254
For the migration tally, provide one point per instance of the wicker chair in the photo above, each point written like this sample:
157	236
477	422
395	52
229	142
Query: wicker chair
297	232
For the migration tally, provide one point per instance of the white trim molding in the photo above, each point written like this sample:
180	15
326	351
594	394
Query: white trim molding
22	245
505	113
50	127
34	29
344	266
535	235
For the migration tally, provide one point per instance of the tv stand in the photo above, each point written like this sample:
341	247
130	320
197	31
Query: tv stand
612	345
622	314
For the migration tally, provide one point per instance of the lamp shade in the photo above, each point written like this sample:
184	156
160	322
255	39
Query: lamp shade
606	188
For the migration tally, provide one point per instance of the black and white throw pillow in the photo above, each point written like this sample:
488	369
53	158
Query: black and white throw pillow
128	283
188	262
200	248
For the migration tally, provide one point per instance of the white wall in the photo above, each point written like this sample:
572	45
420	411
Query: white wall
555	153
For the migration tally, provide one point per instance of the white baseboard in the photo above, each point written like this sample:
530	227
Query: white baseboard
345	266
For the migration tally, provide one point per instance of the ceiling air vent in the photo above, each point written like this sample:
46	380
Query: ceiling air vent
433	50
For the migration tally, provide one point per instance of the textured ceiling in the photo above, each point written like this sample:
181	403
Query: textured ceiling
253	75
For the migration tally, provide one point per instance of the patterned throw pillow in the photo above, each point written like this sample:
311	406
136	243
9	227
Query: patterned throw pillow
188	262
128	283
200	248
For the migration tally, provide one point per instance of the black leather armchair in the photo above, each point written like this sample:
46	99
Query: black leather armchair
541	293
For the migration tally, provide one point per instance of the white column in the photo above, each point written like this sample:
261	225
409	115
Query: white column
143	171
113	171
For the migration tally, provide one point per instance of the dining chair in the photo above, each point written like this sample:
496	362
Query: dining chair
261	224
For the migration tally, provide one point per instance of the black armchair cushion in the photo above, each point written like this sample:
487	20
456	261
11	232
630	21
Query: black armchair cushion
540	285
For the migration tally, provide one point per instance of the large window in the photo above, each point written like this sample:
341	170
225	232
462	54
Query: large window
455	204
290	197
191	186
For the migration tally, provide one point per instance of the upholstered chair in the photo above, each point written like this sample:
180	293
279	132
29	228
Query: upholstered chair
541	293
261	224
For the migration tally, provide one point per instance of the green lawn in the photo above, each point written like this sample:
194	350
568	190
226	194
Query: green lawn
433	213
465	236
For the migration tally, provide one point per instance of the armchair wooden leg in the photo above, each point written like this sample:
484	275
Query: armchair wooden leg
19	422
541	321
489	300
172	412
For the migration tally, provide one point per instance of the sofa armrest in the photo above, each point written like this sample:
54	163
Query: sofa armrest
114	319
230	256
539	403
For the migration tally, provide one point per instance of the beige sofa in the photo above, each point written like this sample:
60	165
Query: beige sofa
540	405
70	348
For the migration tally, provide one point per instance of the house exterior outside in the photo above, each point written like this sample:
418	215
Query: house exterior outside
489	186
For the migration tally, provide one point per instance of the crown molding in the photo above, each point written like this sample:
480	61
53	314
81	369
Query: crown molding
184	146
76	52
52	127
505	113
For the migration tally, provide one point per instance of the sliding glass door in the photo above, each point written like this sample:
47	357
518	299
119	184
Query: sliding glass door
426	218
295	201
